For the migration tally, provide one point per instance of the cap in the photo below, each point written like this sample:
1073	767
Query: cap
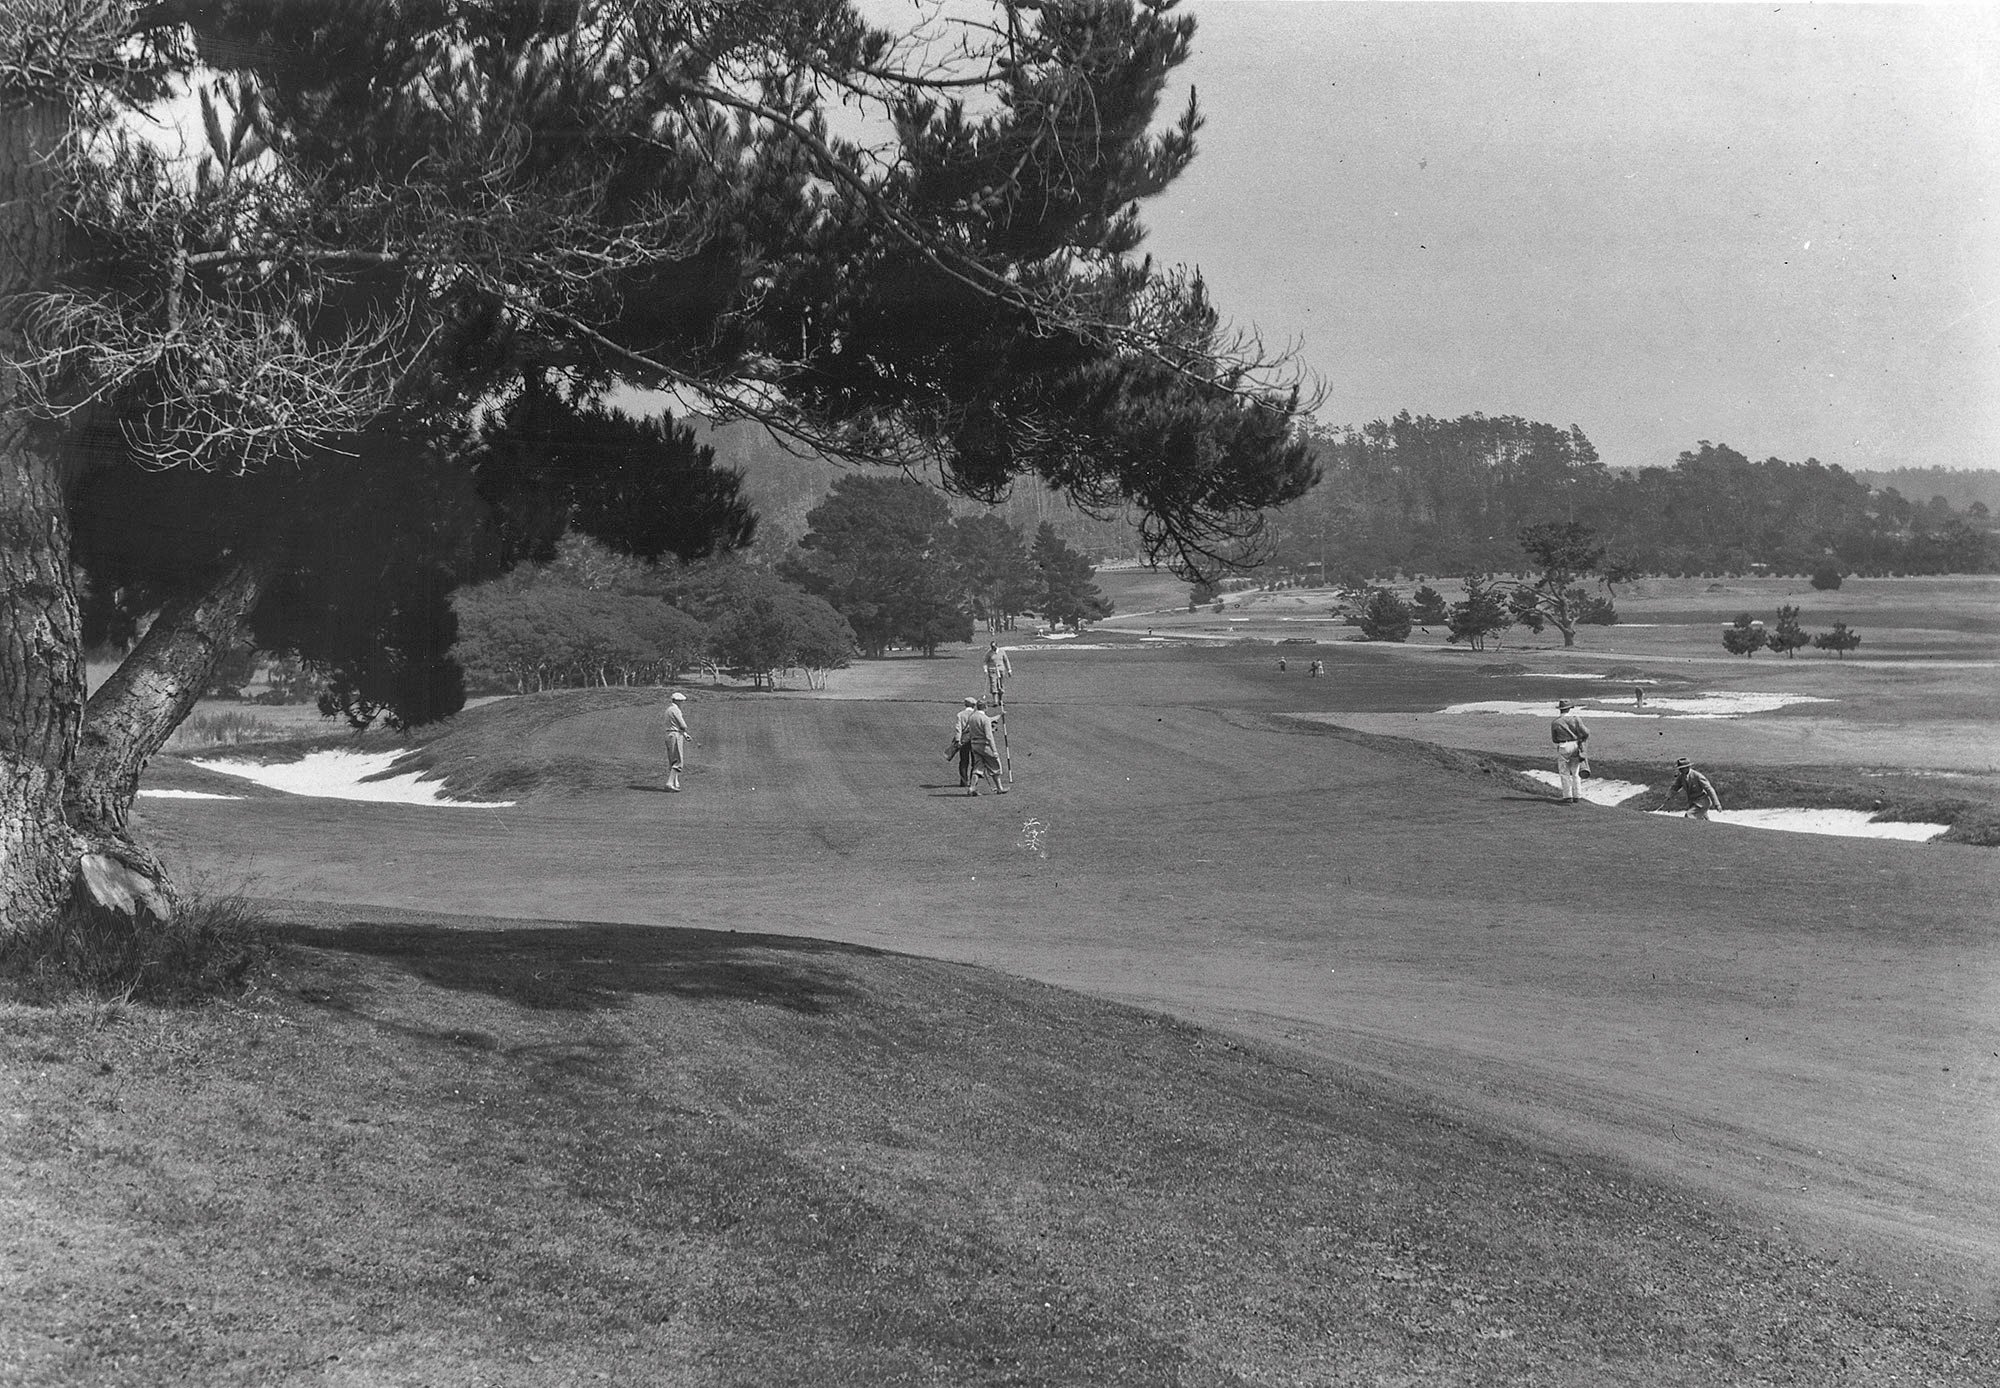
971	702
1683	764
1564	705
679	697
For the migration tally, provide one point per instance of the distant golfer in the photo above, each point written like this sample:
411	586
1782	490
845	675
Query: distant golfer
1570	736
677	740
1699	790
998	668
985	750
1281	665
961	742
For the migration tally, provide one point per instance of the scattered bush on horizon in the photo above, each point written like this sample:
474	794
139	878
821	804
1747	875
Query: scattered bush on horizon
1826	577
1840	640
1385	617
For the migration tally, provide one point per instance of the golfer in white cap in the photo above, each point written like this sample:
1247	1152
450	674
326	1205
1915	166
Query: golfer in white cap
677	740
1569	736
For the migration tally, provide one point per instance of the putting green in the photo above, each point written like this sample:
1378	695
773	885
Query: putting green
1803	1024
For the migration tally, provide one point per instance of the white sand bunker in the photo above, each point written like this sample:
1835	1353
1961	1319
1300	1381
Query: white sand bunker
1596	790
1853	824
185	795
1721	705
338	775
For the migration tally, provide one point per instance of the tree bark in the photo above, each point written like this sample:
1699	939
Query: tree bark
41	647
135	711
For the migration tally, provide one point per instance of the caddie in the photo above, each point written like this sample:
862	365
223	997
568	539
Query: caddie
1569	734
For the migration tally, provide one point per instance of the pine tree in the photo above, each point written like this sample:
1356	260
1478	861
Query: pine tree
1561	553
1066	595
1385	617
1788	636
1480	614
1429	606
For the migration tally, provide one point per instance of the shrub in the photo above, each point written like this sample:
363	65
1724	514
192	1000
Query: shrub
1386	617
1840	640
1826	577
1744	636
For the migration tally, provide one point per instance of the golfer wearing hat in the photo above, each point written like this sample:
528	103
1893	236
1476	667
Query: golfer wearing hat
1700	791
961	742
1569	736
677	739
985	759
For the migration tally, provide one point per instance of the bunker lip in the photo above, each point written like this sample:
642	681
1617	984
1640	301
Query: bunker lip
344	775
1854	824
1717	705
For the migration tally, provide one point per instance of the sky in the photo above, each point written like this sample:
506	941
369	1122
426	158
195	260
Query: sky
1770	226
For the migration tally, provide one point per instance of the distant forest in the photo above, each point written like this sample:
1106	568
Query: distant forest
1450	496
782	487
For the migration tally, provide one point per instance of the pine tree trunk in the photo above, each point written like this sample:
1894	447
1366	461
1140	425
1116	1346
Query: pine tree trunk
41	656
133	714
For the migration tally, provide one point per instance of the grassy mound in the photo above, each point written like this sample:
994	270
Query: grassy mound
450	1151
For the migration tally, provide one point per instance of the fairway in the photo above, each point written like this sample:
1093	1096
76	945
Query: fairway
1800	1024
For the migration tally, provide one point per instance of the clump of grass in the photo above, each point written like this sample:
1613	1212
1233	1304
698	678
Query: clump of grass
224	729
211	948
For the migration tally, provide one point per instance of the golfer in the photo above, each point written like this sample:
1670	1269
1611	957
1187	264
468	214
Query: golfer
961	742
1699	790
998	667
1569	735
985	754
677	740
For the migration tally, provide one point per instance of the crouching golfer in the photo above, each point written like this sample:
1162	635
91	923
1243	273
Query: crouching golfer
1569	735
1700	791
985	756
677	740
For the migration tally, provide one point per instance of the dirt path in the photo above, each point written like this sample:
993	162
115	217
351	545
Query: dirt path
1811	1026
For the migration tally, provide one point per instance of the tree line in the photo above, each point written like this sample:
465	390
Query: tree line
883	563
1421	495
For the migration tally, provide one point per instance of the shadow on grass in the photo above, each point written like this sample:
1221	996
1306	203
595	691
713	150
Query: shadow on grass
580	968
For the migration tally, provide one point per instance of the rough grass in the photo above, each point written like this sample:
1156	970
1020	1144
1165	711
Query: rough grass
211	948
443	1151
226	728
